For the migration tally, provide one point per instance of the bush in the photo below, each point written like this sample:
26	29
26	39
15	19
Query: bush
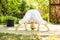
46	17
14	7
4	18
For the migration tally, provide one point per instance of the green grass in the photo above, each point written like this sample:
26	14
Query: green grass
7	36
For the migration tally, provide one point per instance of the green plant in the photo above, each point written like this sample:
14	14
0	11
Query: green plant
4	18
46	17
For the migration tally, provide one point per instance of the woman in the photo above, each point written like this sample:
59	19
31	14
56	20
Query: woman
32	16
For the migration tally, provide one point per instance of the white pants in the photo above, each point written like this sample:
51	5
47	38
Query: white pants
32	16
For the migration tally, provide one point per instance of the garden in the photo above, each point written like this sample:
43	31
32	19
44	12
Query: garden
15	10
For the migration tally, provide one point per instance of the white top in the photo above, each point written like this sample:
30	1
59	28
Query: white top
33	16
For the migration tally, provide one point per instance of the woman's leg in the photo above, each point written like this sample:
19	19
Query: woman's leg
25	25
25	18
18	26
38	27
40	20
46	27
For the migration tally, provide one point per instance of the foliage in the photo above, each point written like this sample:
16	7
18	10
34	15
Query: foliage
46	17
17	8
4	18
13	7
43	6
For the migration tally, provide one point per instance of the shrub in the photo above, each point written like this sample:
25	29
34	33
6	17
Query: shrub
4	18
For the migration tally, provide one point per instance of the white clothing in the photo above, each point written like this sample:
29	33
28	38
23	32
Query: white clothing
32	16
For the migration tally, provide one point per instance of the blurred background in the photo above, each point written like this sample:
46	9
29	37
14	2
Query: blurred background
16	9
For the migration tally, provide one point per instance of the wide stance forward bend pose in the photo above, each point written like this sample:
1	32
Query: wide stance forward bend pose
32	16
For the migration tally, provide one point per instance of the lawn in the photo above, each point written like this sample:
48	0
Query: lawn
6	36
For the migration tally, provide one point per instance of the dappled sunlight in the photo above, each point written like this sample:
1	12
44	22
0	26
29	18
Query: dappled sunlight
14	10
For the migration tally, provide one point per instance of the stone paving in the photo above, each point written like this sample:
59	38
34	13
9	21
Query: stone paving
54	30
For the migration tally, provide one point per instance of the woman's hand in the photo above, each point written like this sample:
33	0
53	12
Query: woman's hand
17	27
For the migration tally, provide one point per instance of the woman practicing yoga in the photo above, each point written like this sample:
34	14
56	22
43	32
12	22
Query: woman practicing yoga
32	16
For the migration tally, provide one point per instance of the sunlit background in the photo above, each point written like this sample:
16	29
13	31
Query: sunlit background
16	9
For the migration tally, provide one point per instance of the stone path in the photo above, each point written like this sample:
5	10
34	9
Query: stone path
53	33
54	29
